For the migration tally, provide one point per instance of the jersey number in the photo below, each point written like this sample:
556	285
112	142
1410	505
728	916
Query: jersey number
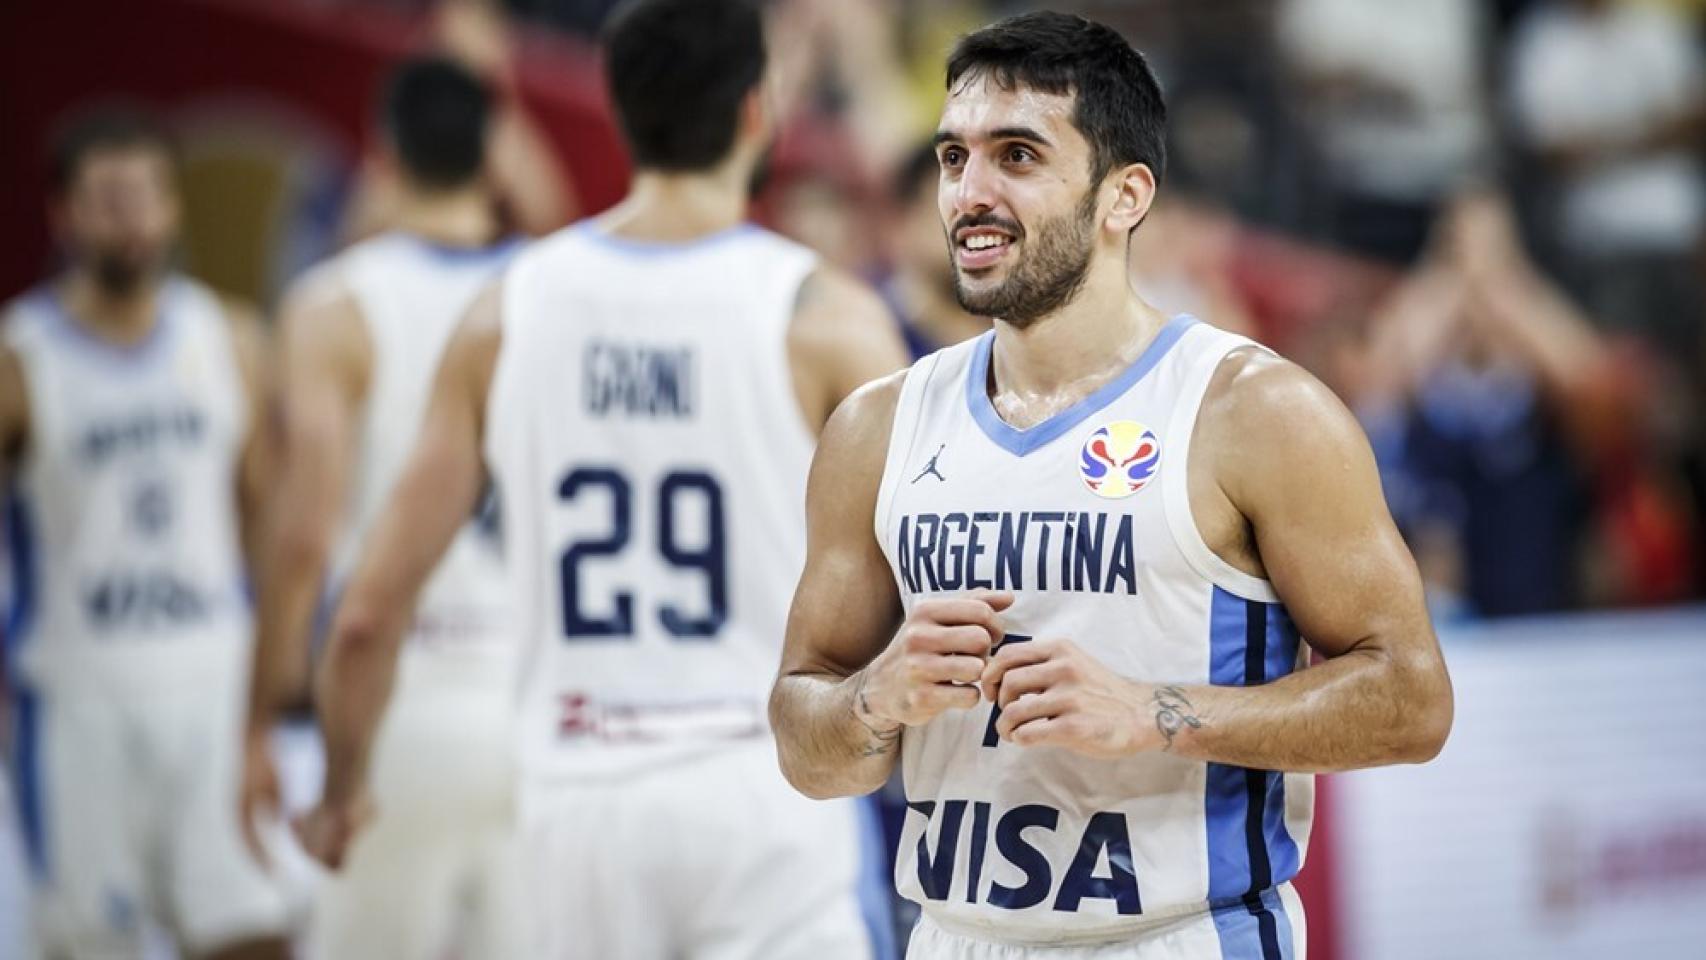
707	559
990	736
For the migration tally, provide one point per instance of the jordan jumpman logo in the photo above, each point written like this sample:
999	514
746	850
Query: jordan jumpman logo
930	468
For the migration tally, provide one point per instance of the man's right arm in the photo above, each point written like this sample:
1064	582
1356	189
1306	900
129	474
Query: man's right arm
849	683
14	410
325	359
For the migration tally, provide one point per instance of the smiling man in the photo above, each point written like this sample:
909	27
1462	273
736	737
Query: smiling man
1063	573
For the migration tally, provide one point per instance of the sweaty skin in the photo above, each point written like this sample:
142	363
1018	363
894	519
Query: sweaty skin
854	675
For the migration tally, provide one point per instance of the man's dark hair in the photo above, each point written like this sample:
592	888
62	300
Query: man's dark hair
678	71
1119	107
435	113
104	128
918	168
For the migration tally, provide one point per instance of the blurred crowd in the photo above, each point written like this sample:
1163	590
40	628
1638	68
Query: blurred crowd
1479	221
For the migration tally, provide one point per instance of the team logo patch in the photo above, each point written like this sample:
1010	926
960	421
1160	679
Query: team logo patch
1119	459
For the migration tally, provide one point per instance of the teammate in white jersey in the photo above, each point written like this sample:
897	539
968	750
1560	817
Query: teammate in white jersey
361	340
1102	533
130	406
644	390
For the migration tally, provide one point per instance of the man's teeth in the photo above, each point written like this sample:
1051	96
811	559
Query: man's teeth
984	242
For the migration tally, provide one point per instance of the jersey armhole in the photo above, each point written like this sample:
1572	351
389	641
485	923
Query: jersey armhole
1176	487
903	436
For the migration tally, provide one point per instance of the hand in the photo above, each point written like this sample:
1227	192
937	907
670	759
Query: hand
327	830
933	663
1051	693
258	795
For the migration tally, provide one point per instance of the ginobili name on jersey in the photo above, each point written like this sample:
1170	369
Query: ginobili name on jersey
637	379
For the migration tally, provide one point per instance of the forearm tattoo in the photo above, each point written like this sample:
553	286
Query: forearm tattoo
1173	712
880	742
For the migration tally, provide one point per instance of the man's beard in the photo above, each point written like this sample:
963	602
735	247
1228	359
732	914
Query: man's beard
120	276
1047	278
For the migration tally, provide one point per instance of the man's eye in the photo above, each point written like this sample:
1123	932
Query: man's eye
953	157
1020	155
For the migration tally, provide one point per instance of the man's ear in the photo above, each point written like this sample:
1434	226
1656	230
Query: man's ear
1134	193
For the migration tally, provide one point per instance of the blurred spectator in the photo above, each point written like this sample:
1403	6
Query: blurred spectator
1181	262
1609	96
920	288
1392	93
1475	382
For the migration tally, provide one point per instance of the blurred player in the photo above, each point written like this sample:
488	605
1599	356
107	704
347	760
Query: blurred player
645	389
131	407
920	290
362	336
1113	527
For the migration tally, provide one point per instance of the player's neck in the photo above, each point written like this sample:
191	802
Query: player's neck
678	208
1069	353
122	317
461	219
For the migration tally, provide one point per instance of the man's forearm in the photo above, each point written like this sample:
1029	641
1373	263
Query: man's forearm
354	688
826	748
1358	710
285	617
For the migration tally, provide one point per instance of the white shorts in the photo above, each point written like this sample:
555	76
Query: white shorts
717	858
1230	932
436	872
127	794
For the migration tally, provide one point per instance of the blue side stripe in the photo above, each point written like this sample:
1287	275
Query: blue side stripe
1254	927
26	753
874	880
1282	643
1249	850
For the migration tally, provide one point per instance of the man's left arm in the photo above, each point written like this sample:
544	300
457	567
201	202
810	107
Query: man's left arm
433	499
259	455
1291	459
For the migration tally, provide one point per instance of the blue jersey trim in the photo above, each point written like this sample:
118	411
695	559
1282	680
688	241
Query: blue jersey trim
594	231
20	619
1249	848
486	254
75	333
1021	442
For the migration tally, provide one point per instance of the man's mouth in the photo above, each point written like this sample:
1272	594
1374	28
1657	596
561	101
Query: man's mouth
978	248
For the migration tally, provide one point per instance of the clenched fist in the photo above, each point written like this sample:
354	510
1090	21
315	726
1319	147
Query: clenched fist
933	663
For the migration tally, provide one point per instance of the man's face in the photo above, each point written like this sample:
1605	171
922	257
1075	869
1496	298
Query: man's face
1016	199
119	215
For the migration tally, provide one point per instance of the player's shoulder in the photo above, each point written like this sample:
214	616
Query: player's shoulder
1262	411
830	298
866	416
1254	383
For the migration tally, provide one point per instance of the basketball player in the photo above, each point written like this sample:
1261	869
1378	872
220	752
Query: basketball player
130	412
362	336
1102	533
645	388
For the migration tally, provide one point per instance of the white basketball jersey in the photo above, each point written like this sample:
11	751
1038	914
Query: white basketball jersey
651	458
128	543
1086	518
411	294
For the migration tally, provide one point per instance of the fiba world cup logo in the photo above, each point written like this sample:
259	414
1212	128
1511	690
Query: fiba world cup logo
1119	459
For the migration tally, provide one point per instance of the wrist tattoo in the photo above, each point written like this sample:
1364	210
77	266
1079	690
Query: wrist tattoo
1173	712
881	741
